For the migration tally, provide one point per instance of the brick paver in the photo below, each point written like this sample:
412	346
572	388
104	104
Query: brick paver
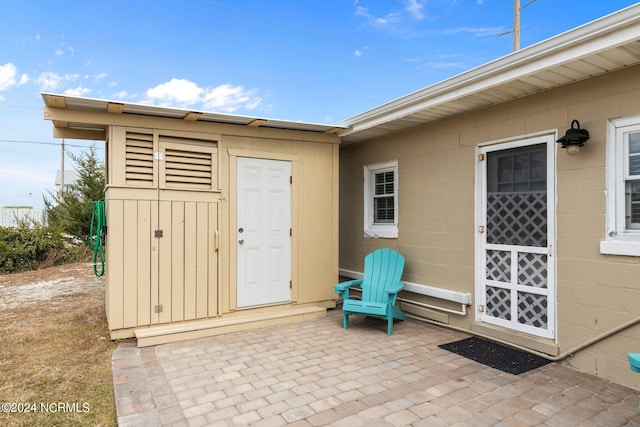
316	373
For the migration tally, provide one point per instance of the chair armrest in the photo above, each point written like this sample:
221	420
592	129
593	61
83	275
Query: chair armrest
395	288
340	288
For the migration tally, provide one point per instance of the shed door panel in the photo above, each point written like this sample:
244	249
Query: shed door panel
187	261
263	235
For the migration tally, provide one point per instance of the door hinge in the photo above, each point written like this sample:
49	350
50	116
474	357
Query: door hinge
158	233
290	232
481	229
481	157
290	179
158	308
481	308
290	284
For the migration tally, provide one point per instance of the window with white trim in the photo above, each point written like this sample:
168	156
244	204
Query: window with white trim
623	188
381	200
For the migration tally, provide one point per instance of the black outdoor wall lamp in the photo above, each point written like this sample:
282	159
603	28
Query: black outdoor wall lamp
574	138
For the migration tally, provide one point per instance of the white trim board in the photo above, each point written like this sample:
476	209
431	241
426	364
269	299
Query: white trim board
417	288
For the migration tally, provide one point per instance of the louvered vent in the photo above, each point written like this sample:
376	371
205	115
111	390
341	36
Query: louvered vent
139	159
188	165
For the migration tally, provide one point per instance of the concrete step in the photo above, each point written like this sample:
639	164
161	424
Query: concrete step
162	334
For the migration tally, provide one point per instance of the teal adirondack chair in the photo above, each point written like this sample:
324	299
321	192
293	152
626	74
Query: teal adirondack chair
380	286
634	362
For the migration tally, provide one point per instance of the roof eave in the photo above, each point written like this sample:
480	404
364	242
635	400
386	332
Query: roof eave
90	131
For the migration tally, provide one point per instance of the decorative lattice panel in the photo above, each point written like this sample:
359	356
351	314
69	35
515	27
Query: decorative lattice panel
532	270
499	266
517	219
532	310
498	303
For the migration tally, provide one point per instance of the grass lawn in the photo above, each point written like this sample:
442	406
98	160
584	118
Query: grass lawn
55	356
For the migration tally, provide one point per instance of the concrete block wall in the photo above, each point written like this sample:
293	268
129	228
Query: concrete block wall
437	173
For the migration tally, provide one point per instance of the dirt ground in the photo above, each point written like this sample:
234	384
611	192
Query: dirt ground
55	351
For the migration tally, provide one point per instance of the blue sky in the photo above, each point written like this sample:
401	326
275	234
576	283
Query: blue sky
314	61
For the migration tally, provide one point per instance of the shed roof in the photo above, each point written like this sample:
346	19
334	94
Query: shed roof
83	127
601	46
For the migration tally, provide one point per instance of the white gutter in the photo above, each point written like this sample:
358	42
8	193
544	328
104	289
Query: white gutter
596	36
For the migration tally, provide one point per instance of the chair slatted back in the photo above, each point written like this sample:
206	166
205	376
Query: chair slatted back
381	267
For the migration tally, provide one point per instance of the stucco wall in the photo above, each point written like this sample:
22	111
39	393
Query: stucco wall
437	163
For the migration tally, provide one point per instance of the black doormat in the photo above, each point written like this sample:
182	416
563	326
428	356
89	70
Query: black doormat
497	356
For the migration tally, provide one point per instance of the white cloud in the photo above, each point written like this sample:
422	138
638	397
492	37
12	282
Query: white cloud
121	95
49	81
475	31
412	9
79	91
184	93
175	92
416	9
7	75
70	49
24	78
230	98
357	53
446	65
59	52
381	21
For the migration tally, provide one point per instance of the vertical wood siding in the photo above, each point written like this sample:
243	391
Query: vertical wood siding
185	284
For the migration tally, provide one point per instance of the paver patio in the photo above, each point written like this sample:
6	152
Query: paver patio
316	373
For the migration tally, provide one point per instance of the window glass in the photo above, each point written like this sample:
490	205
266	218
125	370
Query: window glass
383	205
518	170
633	201
634	154
381	200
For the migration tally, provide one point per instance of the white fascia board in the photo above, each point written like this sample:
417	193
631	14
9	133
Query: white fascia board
609	32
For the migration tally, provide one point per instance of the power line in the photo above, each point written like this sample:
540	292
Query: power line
16	141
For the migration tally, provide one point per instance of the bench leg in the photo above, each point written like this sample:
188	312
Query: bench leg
389	325
345	320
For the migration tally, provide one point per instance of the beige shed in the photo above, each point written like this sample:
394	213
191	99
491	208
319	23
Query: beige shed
215	223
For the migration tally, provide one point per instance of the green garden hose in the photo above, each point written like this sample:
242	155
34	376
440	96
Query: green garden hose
97	234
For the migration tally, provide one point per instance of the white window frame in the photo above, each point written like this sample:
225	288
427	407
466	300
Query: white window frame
619	240
372	229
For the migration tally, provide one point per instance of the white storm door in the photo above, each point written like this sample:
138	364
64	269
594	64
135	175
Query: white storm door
516	273
263	236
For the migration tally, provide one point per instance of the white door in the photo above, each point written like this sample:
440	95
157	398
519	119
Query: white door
264	231
516	274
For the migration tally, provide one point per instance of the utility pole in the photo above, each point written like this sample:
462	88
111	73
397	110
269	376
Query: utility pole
516	25
516	22
62	171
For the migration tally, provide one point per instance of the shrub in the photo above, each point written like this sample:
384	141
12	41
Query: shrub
31	246
71	211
